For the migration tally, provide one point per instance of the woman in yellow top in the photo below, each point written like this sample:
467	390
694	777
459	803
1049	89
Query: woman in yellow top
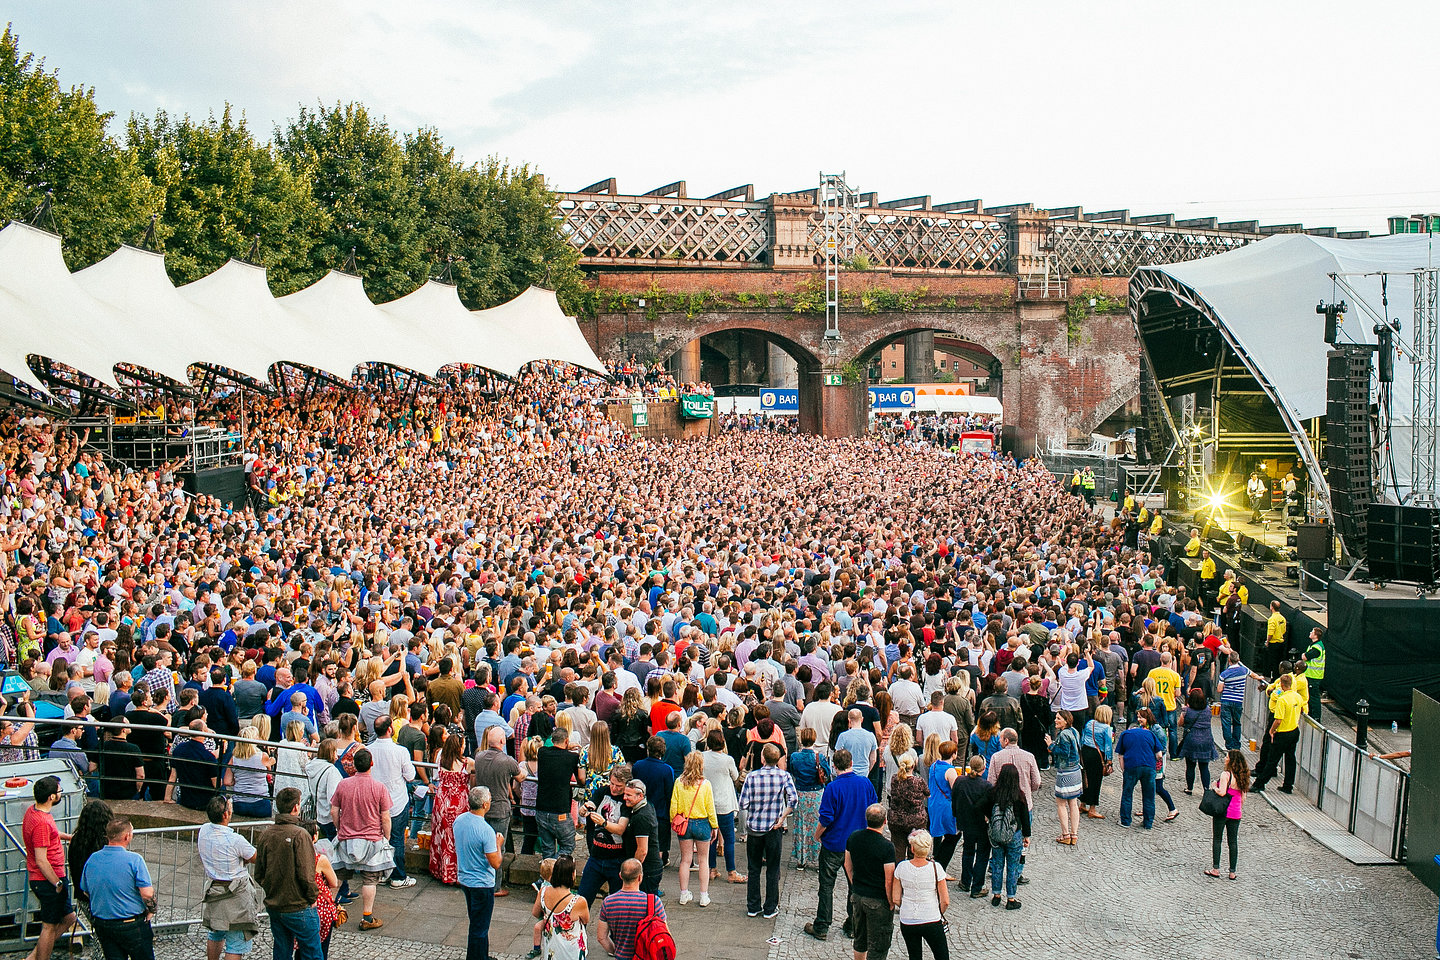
693	798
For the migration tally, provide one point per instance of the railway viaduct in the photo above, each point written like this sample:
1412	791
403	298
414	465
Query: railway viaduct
735	285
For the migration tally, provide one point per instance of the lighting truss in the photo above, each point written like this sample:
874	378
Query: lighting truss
837	202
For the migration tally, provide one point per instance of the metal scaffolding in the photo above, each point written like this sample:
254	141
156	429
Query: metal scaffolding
837	219
1425	419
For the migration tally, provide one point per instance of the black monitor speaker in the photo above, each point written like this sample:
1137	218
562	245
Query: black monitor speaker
1314	541
1403	543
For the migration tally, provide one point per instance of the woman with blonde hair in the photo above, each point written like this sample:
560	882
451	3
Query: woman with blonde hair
901	743
598	757
906	809
930	753
247	776
291	755
920	899
693	800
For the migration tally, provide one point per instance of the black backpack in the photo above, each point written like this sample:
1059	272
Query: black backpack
1003	824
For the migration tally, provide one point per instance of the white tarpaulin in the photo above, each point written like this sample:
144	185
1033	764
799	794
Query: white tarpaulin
1264	296
125	309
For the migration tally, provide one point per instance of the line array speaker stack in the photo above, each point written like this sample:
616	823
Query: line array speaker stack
1349	466
1404	543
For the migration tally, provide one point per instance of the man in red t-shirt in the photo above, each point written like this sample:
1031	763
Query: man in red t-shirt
663	707
45	867
360	810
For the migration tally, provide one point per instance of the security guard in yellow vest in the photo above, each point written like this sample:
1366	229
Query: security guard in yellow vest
1315	670
1156	526
1192	548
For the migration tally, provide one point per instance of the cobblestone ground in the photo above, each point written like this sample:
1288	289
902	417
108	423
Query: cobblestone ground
1124	893
1137	893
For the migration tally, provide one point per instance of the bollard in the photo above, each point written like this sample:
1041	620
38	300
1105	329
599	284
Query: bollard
1362	723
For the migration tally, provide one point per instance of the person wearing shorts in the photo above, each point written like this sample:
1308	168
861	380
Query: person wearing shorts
231	901
45	867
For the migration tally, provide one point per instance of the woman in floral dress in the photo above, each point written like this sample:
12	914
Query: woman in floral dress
563	916
452	798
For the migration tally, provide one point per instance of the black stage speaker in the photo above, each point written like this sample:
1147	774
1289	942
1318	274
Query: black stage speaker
1313	541
1348	459
1403	543
226	484
1381	645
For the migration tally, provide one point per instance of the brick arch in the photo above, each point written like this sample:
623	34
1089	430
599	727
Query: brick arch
798	349
981	332
1122	394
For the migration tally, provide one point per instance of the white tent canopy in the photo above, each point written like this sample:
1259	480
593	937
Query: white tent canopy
125	310
1262	298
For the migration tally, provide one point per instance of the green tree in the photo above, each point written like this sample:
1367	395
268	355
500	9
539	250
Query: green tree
356	171
221	190
496	225
54	140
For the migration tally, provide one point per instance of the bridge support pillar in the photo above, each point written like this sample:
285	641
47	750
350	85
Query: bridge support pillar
831	409
784	371
920	356
687	362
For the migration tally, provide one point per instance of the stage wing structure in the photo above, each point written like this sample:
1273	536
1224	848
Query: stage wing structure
124	312
1240	332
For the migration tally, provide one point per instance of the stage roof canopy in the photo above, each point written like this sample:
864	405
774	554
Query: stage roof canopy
1241	328
125	310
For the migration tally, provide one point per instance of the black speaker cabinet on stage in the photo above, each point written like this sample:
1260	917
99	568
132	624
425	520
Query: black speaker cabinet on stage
1403	543
1348	459
1381	645
226	484
1253	619
1314	541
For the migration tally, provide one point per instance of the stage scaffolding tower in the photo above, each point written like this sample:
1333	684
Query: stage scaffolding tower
1425	419
837	210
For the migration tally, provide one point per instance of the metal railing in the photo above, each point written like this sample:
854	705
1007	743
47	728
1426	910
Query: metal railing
179	876
1365	795
157	761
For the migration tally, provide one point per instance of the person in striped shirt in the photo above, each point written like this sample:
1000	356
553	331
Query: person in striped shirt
1232	697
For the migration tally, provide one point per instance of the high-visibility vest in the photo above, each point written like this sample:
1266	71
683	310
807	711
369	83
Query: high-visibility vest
1315	662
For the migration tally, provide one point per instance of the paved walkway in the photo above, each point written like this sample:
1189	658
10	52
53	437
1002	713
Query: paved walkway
1125	893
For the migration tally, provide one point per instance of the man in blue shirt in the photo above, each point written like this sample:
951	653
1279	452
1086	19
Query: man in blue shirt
1232	697
842	812
477	851
122	895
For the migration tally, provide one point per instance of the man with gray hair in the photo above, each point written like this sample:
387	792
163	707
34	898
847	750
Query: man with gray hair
477	851
642	835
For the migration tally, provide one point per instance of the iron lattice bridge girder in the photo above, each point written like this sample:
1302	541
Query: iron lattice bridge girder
1083	249
924	240
666	229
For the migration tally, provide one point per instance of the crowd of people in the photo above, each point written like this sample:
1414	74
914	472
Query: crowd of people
481	622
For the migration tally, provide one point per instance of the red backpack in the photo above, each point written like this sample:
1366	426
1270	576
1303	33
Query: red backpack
652	937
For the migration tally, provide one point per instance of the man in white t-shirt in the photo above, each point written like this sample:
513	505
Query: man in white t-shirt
906	695
936	720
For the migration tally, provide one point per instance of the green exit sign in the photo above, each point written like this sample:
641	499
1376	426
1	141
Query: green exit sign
834	379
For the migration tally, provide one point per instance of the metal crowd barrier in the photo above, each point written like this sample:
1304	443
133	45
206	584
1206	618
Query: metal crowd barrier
225	742
1367	796
174	862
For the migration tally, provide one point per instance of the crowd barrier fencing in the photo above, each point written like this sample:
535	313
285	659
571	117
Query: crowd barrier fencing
1367	796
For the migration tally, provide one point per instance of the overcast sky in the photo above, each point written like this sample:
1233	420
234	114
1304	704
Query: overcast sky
1278	111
